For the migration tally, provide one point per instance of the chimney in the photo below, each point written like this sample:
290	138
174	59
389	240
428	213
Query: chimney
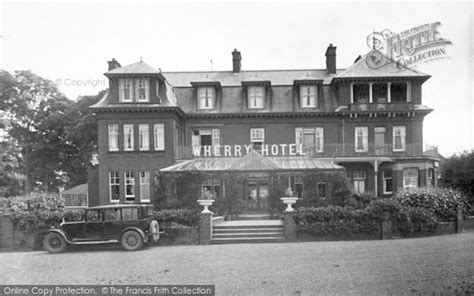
113	64
236	61
331	59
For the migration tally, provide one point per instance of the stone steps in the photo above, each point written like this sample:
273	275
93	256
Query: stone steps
248	231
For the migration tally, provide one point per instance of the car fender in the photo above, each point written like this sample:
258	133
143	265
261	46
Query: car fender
142	233
61	233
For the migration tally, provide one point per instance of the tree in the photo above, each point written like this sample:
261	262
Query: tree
82	135
458	173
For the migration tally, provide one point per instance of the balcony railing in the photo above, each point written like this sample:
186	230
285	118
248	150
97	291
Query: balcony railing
381	106
340	150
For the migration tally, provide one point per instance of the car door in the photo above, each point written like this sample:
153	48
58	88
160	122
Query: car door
94	224
112	223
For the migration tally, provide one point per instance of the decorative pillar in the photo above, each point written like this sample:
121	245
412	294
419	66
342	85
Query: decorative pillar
205	226
289	226
376	176
389	95
371	99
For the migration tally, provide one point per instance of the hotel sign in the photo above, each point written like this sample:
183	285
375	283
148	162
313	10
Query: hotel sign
240	150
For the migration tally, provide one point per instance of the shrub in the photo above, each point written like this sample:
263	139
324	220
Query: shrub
180	216
36	211
443	202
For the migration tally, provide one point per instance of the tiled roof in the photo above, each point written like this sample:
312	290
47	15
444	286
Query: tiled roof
79	189
377	64
136	68
228	78
253	162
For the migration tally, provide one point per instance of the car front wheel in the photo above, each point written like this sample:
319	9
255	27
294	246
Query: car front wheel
54	243
131	240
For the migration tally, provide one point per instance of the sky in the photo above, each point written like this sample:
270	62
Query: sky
71	42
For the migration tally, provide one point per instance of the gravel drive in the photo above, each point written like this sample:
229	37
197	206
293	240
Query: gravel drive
404	266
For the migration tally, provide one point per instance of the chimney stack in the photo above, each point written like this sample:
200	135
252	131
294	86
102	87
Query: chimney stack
331	59
236	61
113	64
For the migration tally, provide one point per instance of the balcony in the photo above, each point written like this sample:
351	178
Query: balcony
394	106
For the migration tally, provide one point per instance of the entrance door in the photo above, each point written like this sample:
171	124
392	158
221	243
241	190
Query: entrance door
257	196
379	135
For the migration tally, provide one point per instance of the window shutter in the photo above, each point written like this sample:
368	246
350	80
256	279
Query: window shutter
298	135
216	137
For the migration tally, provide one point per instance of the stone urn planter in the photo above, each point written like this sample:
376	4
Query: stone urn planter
206	203
289	201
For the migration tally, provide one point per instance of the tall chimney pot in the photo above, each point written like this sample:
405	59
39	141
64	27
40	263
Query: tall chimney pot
236	61
113	64
331	59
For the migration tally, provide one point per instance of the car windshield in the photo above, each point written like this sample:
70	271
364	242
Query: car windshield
74	215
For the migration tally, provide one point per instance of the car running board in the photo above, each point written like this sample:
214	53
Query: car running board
88	242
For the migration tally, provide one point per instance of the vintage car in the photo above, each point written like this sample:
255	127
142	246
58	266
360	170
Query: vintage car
131	225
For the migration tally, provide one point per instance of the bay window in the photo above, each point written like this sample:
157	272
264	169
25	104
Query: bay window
410	178
137	90
359	181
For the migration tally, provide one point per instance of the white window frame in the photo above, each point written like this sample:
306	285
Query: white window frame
308	96
360	181
325	190
113	137
257	135
143	137
401	130
319	138
206	95
409	181
385	178
145	185
365	138
256	100
129	178
128	133
114	180
159	136
145	85
126	85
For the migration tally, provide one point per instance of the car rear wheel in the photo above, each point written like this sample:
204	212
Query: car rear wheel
132	240
154	231
54	243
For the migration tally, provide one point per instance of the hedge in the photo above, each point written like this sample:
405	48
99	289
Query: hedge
347	221
443	201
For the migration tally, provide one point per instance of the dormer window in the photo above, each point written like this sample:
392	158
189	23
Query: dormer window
256	97
134	90
308	96
142	90
206	97
125	90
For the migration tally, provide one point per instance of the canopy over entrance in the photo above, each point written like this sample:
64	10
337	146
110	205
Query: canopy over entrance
253	161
